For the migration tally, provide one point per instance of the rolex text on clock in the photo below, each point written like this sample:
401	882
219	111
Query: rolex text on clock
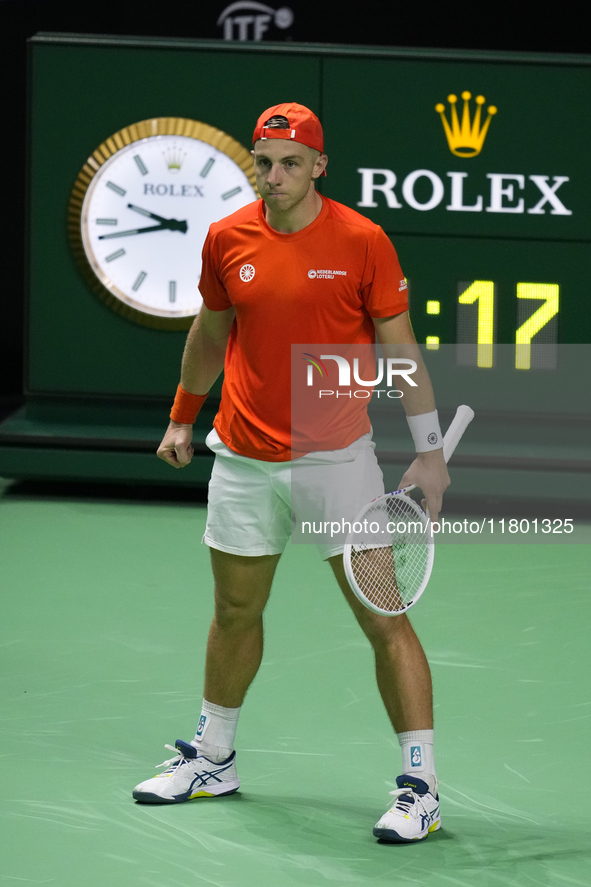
140	210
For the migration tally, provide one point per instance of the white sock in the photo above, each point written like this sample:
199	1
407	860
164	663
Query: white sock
417	756
216	731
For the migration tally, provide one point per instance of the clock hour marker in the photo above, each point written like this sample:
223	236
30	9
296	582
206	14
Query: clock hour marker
139	280
116	188
207	167
231	193
120	252
172	291
140	164
106	221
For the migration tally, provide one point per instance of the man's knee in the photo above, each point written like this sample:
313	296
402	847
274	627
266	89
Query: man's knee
383	631
236	610
242	586
380	630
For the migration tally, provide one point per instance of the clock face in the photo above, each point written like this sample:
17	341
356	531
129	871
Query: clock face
145	215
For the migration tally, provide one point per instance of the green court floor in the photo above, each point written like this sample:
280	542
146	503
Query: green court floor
105	611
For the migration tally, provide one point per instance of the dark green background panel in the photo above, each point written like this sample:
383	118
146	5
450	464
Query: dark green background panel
79	97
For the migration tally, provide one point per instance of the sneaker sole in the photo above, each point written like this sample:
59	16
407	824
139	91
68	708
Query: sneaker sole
392	837
151	798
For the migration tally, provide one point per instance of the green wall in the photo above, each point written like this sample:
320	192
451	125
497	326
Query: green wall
378	113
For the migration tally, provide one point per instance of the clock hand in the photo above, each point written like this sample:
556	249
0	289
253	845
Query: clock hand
173	224
131	231
168	225
145	212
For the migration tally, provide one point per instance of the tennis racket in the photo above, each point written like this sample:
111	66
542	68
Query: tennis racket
389	551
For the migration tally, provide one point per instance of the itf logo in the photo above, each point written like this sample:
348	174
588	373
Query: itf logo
416	759
252	25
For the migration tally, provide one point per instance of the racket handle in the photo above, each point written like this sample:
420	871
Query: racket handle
460	422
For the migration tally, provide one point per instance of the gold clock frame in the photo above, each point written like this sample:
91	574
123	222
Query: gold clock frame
156	126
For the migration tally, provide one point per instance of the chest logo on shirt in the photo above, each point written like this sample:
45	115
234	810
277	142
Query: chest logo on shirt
247	272
325	273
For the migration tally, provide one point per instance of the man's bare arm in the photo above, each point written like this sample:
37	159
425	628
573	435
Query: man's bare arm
428	471
203	361
205	349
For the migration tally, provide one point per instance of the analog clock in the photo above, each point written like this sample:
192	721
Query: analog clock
140	210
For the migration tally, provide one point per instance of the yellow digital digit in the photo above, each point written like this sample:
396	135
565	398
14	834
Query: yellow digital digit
483	292
549	293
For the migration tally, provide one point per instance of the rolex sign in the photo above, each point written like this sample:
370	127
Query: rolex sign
467	150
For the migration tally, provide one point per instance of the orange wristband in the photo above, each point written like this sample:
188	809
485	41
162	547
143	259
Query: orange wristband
186	406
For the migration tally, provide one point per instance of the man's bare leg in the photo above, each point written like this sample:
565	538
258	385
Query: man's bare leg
235	643
234	652
404	681
402	670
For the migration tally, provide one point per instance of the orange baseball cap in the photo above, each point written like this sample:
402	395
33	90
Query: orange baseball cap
304	126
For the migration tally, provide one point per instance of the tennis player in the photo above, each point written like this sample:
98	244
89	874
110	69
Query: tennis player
259	299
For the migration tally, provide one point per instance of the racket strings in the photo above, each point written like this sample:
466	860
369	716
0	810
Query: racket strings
390	555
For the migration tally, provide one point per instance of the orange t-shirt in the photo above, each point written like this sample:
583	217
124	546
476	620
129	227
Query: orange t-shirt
322	285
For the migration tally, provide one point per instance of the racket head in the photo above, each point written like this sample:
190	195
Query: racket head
388	555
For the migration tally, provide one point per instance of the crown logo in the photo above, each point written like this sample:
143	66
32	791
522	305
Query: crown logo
174	158
465	140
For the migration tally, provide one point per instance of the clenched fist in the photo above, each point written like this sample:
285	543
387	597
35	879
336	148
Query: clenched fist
176	446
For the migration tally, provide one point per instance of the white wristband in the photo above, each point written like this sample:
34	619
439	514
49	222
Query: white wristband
426	432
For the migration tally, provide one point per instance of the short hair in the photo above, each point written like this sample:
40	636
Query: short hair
277	122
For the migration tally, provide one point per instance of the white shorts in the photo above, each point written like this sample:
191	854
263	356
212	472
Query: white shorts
254	507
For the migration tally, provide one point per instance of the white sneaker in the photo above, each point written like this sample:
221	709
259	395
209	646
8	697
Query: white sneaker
413	815
189	775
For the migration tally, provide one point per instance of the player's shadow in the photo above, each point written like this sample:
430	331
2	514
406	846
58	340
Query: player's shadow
339	834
